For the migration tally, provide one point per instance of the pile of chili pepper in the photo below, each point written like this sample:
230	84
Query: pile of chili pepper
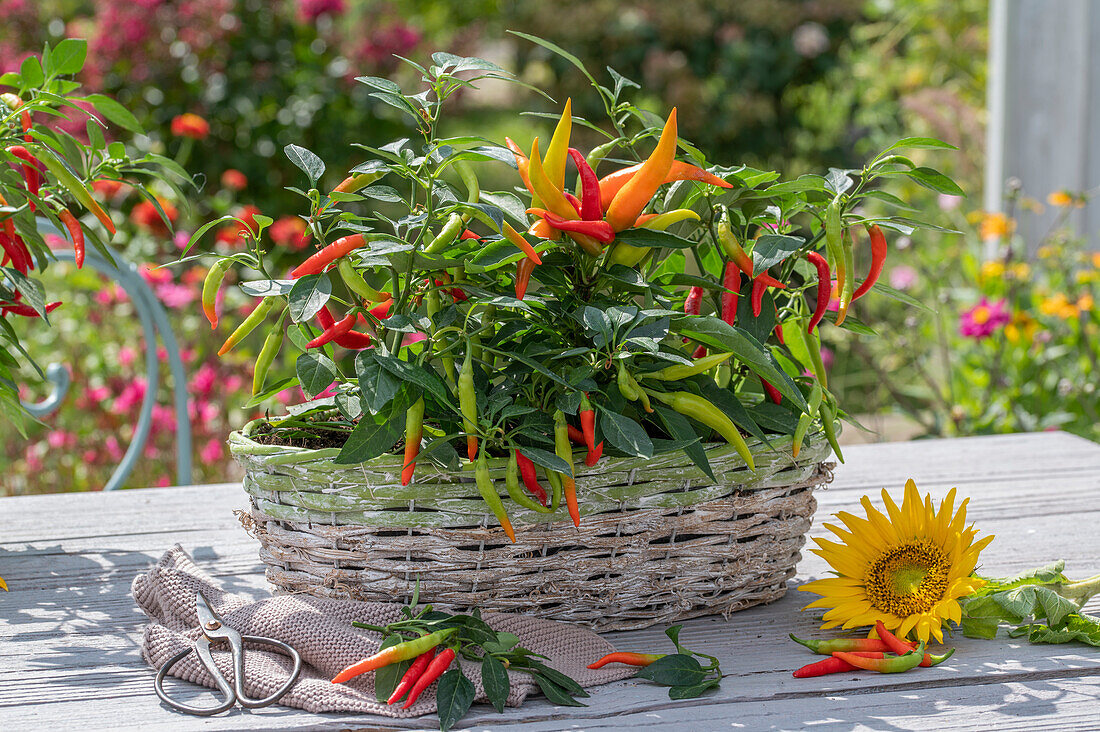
422	647
883	652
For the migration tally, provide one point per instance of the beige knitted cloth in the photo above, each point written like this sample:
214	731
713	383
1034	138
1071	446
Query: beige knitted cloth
320	630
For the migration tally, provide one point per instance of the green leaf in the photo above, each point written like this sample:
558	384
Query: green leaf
694	690
653	238
675	670
308	161
715	333
555	693
547	460
918	143
453	696
559	51
1079	627
370	439
308	295
418	375
494	677
266	288
32	73
376	384
68	56
625	434
934	180
315	372
771	249
116	113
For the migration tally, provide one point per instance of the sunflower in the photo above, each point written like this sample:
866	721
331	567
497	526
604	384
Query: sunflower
907	570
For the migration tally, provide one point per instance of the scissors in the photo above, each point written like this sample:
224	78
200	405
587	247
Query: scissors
213	631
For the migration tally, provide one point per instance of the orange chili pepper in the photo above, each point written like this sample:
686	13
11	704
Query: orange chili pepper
611	184
628	203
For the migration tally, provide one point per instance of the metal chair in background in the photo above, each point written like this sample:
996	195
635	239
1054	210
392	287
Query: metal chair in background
154	321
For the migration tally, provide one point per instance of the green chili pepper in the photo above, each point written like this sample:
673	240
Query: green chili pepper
806	418
395	654
73	185
846	291
698	408
210	287
456	223
517	494
432	302
414	431
600	152
490	496
828	419
357	284
834	244
268	352
629	388
564	449
556	489
467	403
813	347
677	372
249	324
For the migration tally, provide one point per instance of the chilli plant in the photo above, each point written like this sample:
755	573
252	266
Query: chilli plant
46	185
668	304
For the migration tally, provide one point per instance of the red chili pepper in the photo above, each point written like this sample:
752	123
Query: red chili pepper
824	288
573	200
901	647
760	283
779	334
772	392
329	254
524	268
25	116
630	659
588	429
382	309
30	168
831	665
600	230
878	259
575	435
435	669
590	188
699	352
411	676
352	340
333	332
467	234
75	233
530	477
731	280
694	302
26	310
16	250
885	665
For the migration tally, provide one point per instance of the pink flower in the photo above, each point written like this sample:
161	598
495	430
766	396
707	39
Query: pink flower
176	296
233	382
126	356
53	241
903	277
114	450
180	238
130	398
34	460
310	10
211	452
827	357
202	383
948	202
58	439
984	319
164	419
98	394
90	457
163	481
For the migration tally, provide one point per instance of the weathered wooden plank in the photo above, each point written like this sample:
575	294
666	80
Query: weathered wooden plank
70	631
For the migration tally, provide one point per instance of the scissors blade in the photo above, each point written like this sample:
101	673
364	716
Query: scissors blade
208	619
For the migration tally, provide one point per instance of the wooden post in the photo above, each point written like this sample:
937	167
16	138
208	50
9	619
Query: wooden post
1044	107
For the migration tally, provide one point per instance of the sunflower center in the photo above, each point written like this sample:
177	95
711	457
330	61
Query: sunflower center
908	579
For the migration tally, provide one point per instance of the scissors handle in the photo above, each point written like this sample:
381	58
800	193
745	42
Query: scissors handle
233	694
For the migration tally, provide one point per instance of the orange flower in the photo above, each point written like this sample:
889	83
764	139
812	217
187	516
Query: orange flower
1060	198
234	180
1058	305
145	216
190	125
996	226
107	188
232	232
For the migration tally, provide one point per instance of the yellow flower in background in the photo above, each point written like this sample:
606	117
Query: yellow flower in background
994	269
1022	328
1088	276
996	226
1058	305
1060	199
1085	303
1096	260
908	569
1021	270
1046	252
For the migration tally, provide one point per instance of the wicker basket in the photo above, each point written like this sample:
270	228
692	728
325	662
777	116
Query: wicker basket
658	541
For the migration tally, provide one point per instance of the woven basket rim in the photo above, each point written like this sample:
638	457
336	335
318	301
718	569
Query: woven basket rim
241	443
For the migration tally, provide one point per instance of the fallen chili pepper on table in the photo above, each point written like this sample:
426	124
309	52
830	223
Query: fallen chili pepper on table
682	672
630	659
394	654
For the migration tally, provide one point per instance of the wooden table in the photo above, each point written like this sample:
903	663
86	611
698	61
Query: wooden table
69	630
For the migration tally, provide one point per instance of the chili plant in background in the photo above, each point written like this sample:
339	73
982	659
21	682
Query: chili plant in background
1012	342
47	184
646	311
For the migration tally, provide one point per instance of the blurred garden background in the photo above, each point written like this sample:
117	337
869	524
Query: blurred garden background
1009	339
